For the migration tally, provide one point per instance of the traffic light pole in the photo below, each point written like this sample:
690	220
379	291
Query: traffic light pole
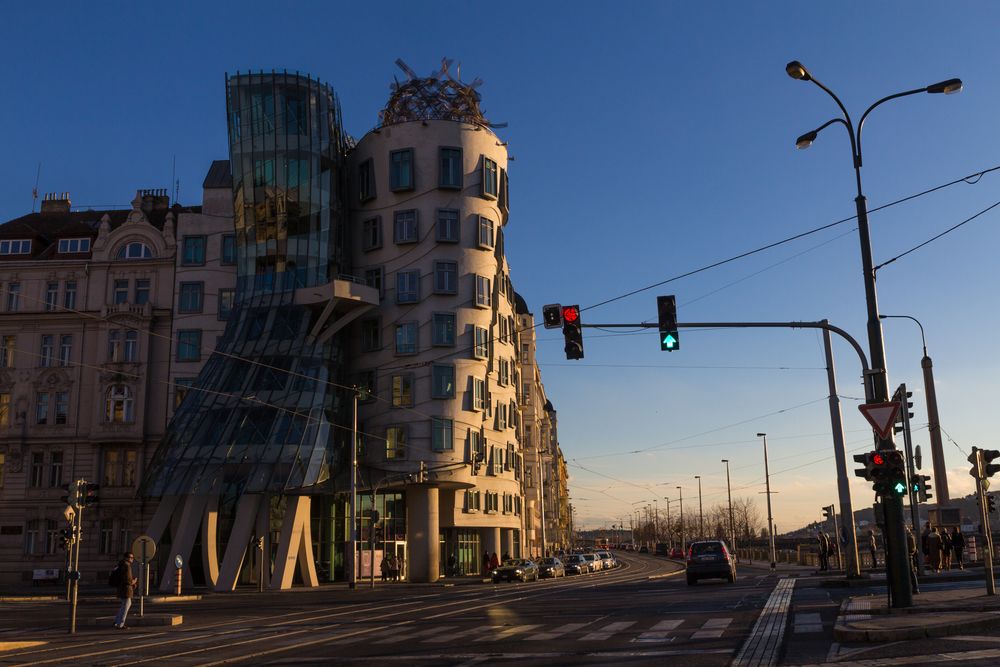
984	517
911	472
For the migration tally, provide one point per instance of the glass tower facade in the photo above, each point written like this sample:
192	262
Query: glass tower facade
259	418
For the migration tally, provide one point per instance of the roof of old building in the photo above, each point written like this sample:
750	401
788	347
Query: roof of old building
219	175
520	305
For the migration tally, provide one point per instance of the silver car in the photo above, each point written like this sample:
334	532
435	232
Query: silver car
576	564
608	561
594	562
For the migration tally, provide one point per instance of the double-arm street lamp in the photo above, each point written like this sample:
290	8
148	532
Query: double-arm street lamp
767	487
732	521
680	500
897	563
701	516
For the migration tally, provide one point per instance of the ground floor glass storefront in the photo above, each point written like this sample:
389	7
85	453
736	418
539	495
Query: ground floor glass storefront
330	521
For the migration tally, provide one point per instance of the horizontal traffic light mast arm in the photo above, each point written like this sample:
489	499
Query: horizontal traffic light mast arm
822	324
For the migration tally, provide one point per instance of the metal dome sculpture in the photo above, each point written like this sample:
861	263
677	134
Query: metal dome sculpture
439	96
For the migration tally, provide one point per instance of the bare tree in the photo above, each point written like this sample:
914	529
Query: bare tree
748	517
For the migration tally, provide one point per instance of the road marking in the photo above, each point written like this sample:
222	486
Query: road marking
712	628
505	632
558	632
660	632
394	638
606	632
764	643
464	633
808	622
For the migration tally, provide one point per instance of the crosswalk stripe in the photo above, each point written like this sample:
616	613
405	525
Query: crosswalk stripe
608	630
506	632
558	632
808	622
660	632
712	628
441	639
392	639
667	625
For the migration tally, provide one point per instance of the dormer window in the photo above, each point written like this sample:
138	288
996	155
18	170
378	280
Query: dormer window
134	250
74	245
15	247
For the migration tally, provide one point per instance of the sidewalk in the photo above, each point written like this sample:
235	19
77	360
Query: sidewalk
867	618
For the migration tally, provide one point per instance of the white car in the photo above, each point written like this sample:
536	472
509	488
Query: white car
595	562
607	559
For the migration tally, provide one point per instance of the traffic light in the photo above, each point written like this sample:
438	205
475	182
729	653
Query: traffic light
72	497
88	493
552	316
896	476
904	414
666	309
866	461
921	488
828	512
976	470
422	474
572	332
991	505
989	468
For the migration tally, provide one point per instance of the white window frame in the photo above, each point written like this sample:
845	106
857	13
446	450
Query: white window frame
480	343
484	292
485	233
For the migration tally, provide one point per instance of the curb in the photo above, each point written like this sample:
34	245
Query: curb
967	623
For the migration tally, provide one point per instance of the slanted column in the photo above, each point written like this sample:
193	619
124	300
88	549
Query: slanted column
422	528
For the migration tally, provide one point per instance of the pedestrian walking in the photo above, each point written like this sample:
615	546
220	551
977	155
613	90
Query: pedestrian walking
945	550
124	584
385	567
934	549
833	551
486	563
400	568
824	550
873	548
958	546
911	544
494	561
924	544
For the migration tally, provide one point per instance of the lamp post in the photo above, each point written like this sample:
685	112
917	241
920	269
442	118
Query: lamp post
352	562
933	426
897	563
670	535
680	500
701	516
767	486
656	523
732	521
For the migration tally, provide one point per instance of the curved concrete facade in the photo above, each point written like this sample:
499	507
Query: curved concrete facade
428	242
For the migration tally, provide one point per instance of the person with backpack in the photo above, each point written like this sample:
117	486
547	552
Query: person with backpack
122	580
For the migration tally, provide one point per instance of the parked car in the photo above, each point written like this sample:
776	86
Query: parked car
710	559
608	561
576	564
551	567
676	552
519	569
661	549
594	562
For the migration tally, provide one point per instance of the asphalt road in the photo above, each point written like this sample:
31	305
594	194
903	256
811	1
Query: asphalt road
640	613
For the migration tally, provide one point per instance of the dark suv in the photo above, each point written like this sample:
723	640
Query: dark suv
710	559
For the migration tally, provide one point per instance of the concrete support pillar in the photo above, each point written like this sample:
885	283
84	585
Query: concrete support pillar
264	530
491	541
186	530
422	528
507	538
295	546
239	539
161	518
210	541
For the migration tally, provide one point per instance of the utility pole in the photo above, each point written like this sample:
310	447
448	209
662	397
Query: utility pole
979	472
670	535
656	523
732	520
770	520
680	500
352	561
701	515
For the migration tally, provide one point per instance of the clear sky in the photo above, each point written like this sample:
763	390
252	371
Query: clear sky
650	139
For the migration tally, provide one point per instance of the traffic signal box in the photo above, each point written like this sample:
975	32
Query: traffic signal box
572	332
885	469
666	309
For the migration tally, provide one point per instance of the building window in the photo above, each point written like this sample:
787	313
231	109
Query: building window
445	277
503	374
31	530
74	245
263	170
55	469
443	329
408	286
478	394
69	296
477	449
450	174
489	178
15	247
114	345
62	407
193	253
373	278
442	381
447	228
182	387
442	434
131	346
134	250
13	297
129	467
228	249
486	237
366	180
46	351
142	291
189	345
526	393
492	502
104	540
119	405
226	299
51	296
65	349
481	344
371	334
4	410
406	338
395	442
37	469
192	297
404	226
120	292
371	237
525	353
42	408
7	344
484	292
402	391
401	170
472	501
501	415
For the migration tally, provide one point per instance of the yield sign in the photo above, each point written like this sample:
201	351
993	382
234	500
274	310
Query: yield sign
881	416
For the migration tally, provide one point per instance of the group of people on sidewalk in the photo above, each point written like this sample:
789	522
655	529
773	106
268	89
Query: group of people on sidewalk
942	549
828	549
392	568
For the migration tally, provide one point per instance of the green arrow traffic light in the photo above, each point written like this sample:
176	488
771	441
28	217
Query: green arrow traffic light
899	488
669	342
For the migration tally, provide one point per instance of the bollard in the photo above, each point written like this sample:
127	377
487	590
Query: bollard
177	581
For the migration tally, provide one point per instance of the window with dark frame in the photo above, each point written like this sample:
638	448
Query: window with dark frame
405	227
142	291
192	296
366	180
448	227
485	236
489	178
189	345
228	250
406	338
401	170
445	277
443	329
408	286
442	434
193	252
442	381
371	233
450	167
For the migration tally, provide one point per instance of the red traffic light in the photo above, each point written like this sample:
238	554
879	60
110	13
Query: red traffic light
878	459
570	313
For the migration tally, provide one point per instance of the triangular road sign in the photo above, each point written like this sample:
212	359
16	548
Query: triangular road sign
881	416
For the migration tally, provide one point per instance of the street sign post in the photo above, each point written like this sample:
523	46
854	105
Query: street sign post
146	548
881	416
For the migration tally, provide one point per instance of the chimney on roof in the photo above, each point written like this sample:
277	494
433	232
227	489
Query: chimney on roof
154	200
56	202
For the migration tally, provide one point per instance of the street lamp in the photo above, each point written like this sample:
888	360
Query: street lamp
701	517
680	500
933	425
732	521
878	392
670	535
767	486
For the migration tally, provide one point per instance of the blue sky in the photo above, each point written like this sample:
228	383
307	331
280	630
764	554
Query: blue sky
650	139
